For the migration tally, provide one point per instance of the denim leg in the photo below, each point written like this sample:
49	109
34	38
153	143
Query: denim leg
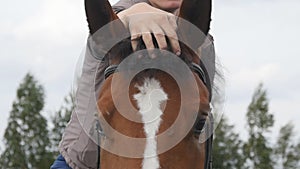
60	163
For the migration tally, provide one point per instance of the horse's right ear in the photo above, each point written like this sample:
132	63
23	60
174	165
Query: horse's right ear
99	13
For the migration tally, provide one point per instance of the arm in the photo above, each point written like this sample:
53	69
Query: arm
125	4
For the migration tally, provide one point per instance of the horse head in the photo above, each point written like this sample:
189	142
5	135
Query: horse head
152	102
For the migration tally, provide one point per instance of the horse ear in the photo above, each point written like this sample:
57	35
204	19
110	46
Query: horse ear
197	12
99	13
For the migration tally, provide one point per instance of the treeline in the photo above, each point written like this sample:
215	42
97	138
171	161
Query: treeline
256	151
28	141
31	144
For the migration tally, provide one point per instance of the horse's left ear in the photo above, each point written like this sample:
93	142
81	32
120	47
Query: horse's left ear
99	13
197	12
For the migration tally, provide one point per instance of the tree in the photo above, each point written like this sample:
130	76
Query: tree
14	154
60	120
259	122
286	151
227	147
26	136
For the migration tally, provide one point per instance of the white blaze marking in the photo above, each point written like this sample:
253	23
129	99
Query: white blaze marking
148	101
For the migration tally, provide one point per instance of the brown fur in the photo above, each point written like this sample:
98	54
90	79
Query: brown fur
188	153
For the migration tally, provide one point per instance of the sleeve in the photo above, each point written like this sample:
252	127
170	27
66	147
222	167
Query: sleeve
125	4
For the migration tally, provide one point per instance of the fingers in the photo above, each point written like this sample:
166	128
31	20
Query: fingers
161	40
135	40
148	41
170	31
147	38
161	28
173	39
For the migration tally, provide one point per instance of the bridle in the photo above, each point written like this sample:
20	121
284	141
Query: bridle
194	67
206	125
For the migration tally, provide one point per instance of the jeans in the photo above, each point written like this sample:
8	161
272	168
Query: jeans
60	163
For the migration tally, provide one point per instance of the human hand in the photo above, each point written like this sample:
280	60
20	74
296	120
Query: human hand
142	19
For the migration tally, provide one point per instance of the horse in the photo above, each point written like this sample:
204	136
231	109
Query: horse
148	118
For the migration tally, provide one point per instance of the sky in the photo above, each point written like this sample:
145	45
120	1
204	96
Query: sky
256	42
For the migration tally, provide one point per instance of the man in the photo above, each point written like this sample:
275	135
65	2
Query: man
78	150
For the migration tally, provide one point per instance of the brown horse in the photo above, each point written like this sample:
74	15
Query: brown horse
148	119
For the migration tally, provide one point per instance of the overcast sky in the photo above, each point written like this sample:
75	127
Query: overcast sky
256	41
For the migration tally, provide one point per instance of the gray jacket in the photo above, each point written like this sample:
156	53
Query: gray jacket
79	142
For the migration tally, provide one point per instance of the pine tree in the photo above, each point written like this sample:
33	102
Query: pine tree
14	154
26	137
60	120
259	122
227	147
286	150
297	152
